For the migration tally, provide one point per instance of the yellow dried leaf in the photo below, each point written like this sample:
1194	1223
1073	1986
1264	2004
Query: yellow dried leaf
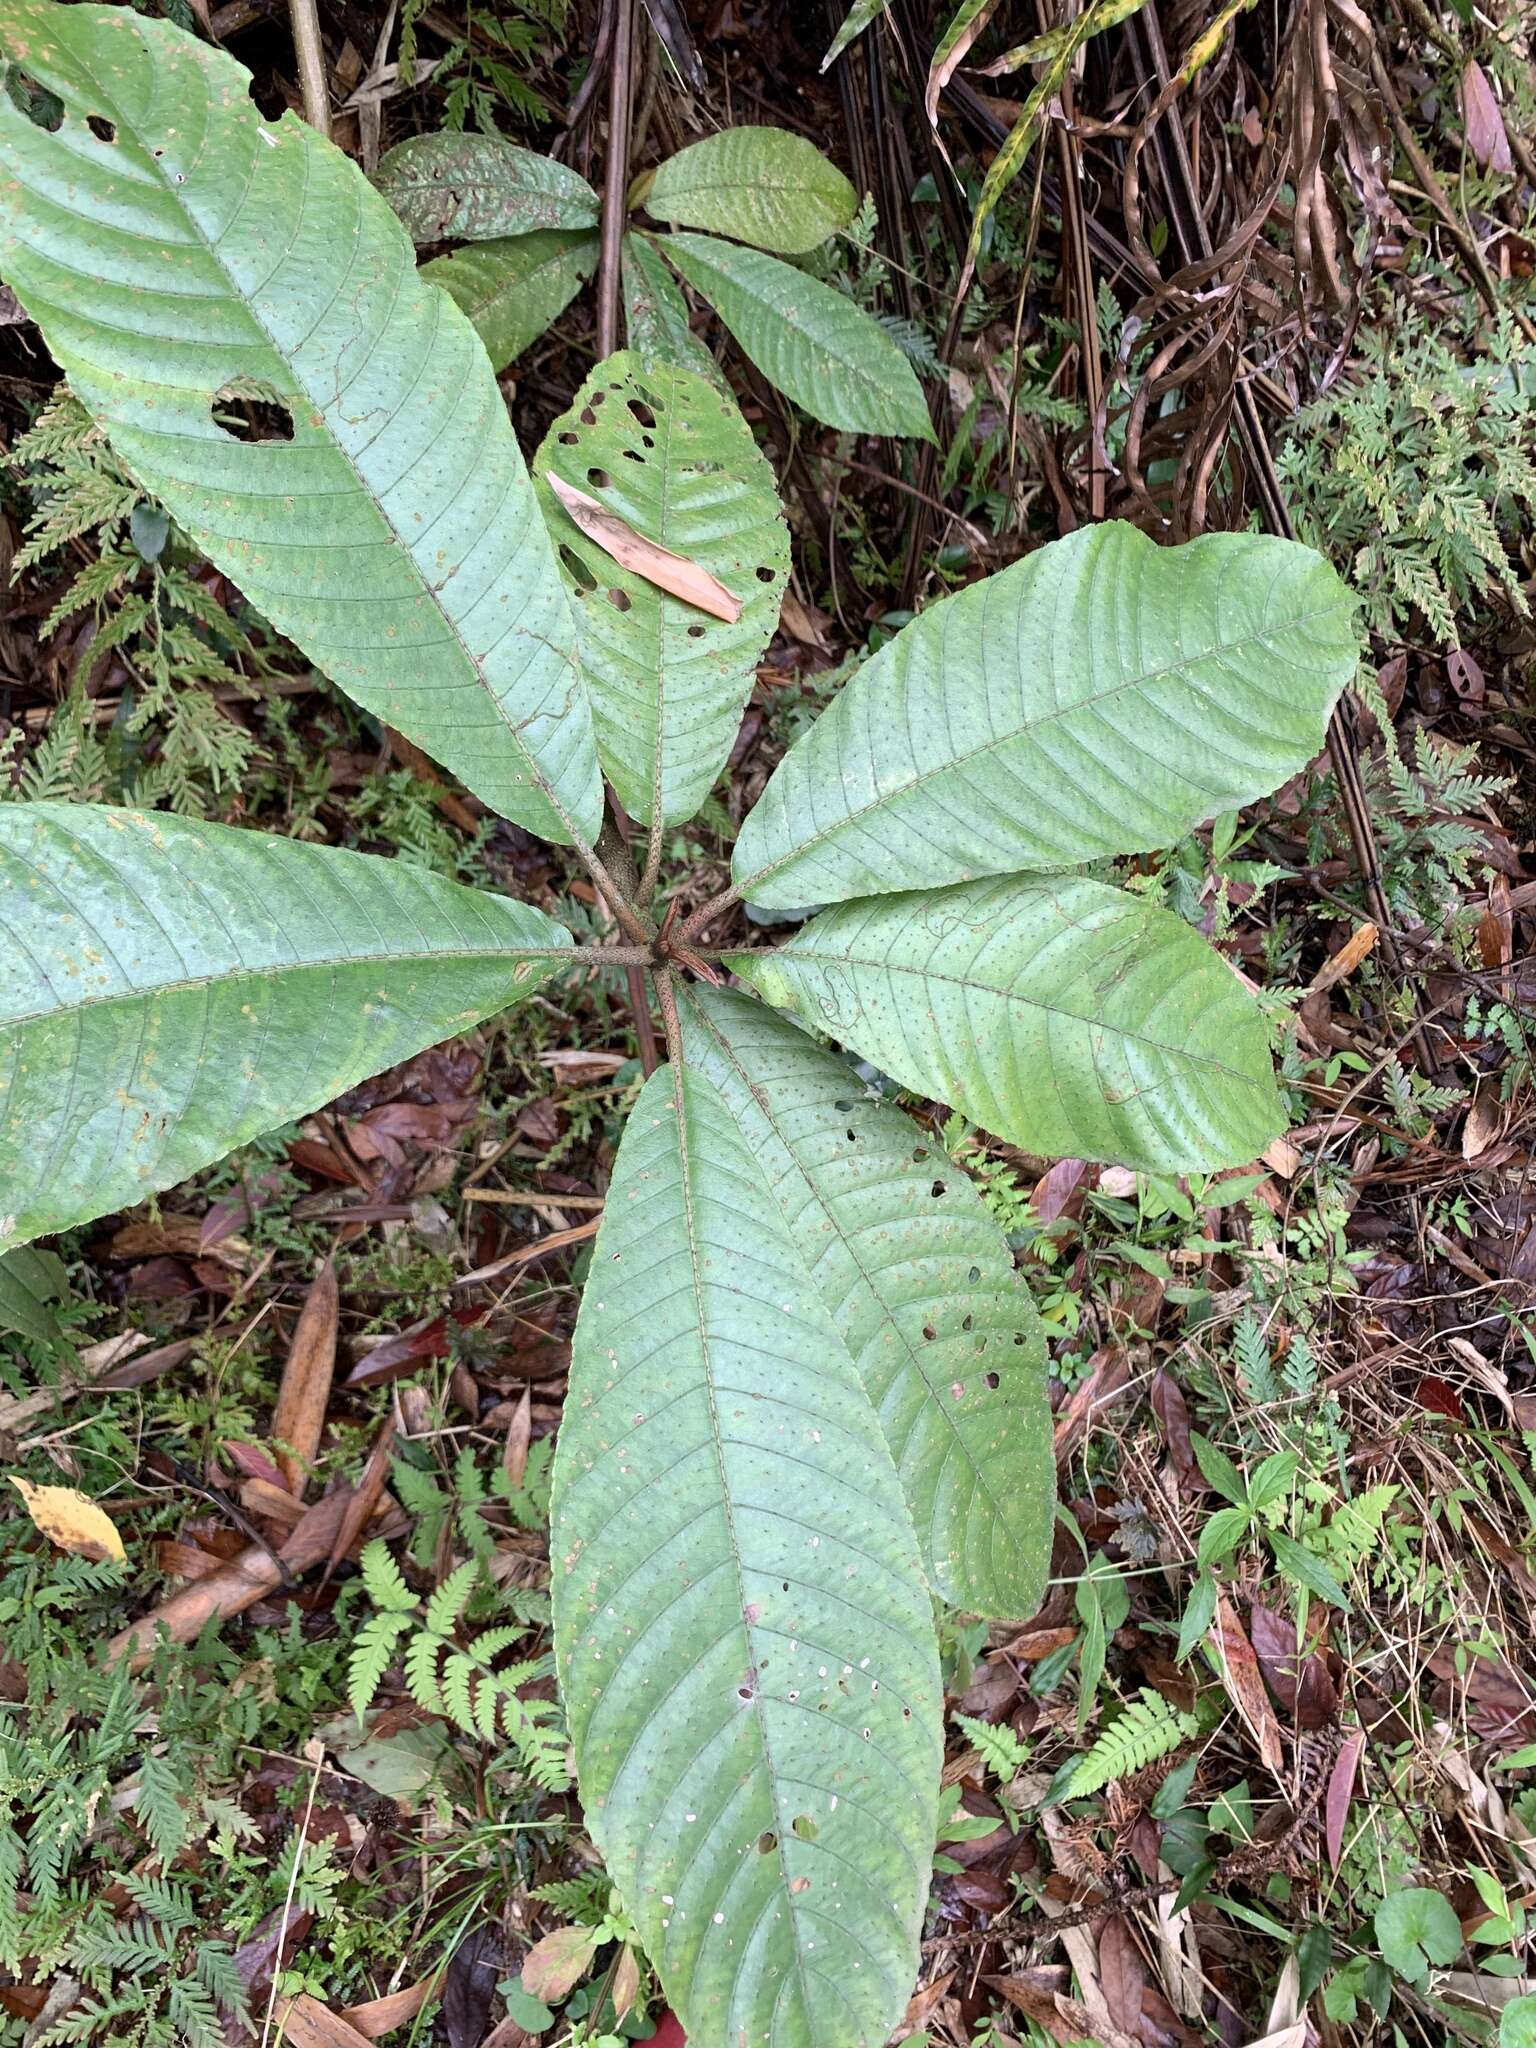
66	1517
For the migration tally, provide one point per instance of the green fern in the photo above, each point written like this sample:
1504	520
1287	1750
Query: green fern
1147	1729
998	1747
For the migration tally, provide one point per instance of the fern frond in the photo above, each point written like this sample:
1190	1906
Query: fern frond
1147	1729
382	1580
451	1598
373	1647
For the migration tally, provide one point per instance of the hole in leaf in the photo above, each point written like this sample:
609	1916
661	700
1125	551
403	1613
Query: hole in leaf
599	479
804	1827
853	1137
103	129
938	1189
582	576
633	455
765	575
42	108
587	416
842	1108
920	1153
929	1333
1018	1336
249	410
990	1379
969	1323
767	1842
906	1713
569	440
642	412
974	1275
619	599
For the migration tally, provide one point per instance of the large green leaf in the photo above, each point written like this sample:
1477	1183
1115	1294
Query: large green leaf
179	252
761	185
471	188
673	457
656	314
173	989
31	1282
1102	696
745	1642
1064	1015
511	290
921	1287
817	346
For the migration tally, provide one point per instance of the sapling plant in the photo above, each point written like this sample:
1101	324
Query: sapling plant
807	1391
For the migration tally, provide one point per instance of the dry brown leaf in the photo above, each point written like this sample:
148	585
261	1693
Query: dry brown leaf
308	2024
378	2016
673	573
1487	137
299	1416
555	1965
514	1452
1346	960
1245	1682
71	1520
626	1981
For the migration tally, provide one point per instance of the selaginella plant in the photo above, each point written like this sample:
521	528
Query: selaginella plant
807	1391
531	229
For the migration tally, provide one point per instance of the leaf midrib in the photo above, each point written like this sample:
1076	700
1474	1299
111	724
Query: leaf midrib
887	1319
319	402
193	983
922	776
793	952
717	1438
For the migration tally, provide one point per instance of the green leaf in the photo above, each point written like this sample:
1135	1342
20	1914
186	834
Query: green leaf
1197	1617
203	258
656	315
759	185
511	290
174	988
1221	1535
473	188
1219	1470
814	344
667	682
1517	2023
1298	1563
922	1288
745	1643
1102	696
1064	1015
30	1283
855	21
1417	1929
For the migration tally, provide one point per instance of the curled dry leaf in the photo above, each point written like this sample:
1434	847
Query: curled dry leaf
299	1417
66	1517
1341	1785
1245	1683
631	550
306	2023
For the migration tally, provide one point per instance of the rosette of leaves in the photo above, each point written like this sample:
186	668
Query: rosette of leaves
737	204
807	1389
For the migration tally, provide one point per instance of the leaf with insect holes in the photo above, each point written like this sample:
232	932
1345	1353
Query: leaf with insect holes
476	188
184	258
1102	696
1063	1015
812	342
920	1283
511	290
744	1640
31	1283
759	185
177	988
676	465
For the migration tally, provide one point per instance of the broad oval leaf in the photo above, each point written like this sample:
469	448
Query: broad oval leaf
816	345
177	988
1064	1015
32	1282
744	1640
656	315
673	457
182	255
511	290
760	185
921	1286
471	188
1102	696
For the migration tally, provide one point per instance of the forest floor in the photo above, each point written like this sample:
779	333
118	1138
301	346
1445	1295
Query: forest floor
1295	1406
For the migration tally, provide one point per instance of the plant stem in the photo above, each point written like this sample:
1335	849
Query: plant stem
666	995
706	914
311	55
616	174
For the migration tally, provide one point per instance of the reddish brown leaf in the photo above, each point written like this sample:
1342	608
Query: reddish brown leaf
1301	1683
1172	1412
514	1452
1487	137
1341	1785
1056	1187
1244	1683
299	1418
1122	1975
369	1489
555	1965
